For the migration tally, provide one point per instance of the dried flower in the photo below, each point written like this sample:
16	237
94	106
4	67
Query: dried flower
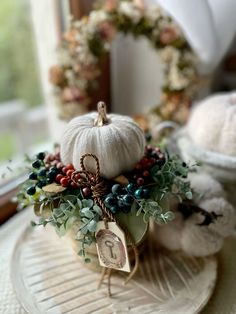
168	35
88	72
110	5
107	31
130	10
70	35
139	4
70	94
56	75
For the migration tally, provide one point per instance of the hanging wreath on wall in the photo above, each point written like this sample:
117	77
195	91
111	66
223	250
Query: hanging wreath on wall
88	40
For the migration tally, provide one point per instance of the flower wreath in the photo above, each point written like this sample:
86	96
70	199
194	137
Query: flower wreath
88	40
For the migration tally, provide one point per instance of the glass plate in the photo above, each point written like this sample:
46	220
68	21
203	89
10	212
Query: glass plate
49	279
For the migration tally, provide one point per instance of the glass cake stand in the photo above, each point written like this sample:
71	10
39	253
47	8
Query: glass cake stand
48	279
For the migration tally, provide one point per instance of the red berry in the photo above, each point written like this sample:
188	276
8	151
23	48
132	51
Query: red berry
64	182
54	163
51	157
59	165
74	185
144	161
77	176
69	173
146	173
70	167
64	170
140	181
86	191
138	166
80	181
59	177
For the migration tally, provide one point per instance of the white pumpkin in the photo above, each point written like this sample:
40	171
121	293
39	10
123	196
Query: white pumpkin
116	140
212	124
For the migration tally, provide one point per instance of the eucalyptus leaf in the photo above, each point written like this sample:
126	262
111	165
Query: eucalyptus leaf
69	223
71	204
92	226
169	216
97	209
87	212
84	229
87	203
189	195
62	231
85	220
81	252
79	203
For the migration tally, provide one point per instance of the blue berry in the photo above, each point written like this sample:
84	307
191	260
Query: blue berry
114	209
51	174
110	200
36	164
121	203
146	193
40	156
131	188
42	172
127	199
139	194
41	184
49	180
53	169
31	190
33	176
116	189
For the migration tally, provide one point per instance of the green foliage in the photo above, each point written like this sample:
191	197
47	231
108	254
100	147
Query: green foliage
170	182
18	75
154	210
171	178
90	215
71	210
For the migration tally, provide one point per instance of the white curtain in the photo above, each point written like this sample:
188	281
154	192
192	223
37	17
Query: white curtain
209	26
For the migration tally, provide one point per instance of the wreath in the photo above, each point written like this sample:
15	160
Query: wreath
89	40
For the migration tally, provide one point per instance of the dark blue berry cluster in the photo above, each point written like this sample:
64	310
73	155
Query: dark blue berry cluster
122	198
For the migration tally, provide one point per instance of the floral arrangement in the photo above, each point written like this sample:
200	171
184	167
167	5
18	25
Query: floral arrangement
103	186
89	40
61	198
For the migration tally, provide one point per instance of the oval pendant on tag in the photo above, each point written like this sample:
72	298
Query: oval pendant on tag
111	247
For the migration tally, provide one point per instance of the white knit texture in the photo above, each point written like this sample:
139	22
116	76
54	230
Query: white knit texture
118	145
212	124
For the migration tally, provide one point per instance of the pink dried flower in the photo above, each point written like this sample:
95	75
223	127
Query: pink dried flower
56	75
89	72
139	4
70	94
111	5
168	35
107	30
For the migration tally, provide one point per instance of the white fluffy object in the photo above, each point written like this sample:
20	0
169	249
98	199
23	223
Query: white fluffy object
212	124
205	186
189	235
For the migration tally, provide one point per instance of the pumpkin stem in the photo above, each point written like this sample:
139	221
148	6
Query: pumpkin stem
102	115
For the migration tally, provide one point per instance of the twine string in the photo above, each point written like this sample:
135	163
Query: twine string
98	187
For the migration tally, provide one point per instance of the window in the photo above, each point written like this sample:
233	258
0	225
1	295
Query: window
20	90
